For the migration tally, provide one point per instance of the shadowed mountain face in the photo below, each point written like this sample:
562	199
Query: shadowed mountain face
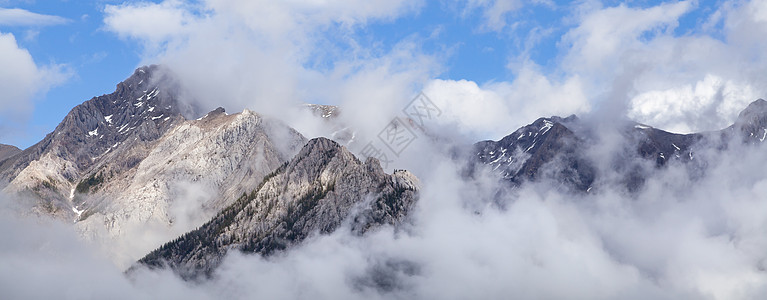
321	188
519	156
557	149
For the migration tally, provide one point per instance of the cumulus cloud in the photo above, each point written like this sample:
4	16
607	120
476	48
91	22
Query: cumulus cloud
146	20
21	17
496	109
21	80
632	63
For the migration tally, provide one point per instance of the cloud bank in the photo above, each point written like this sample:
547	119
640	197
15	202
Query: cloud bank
678	238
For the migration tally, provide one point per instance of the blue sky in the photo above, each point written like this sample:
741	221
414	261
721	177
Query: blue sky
463	38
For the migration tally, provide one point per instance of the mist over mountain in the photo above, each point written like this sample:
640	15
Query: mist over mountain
558	149
243	205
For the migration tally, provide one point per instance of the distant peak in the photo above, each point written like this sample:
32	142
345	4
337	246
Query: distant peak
757	107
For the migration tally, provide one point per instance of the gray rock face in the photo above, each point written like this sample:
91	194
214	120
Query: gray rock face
190	173
322	187
7	151
555	149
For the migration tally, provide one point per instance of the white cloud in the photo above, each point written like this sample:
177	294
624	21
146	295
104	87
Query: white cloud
146	20
679	109
21	79
631	63
21	17
603	37
495	110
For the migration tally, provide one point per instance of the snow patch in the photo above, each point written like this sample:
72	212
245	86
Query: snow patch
153	94
108	119
78	212
140	104
157	117
546	126
94	132
531	146
764	135
640	126
151	109
677	148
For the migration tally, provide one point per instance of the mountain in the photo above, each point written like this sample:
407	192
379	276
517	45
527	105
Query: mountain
193	171
7	151
519	156
138	112
751	124
323	187
132	172
557	149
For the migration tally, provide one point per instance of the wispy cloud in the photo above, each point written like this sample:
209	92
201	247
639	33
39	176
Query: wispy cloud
21	17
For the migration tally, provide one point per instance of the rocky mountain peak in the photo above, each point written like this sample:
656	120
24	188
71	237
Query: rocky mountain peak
752	122
323	187
140	110
756	108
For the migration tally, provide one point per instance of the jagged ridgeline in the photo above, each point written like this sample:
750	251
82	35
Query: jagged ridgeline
557	149
322	188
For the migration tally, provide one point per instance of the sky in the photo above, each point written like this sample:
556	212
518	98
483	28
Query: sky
661	63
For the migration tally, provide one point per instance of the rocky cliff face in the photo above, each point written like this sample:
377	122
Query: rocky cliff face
7	151
193	171
321	188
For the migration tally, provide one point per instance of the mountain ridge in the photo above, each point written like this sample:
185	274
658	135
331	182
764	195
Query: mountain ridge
315	192
559	145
